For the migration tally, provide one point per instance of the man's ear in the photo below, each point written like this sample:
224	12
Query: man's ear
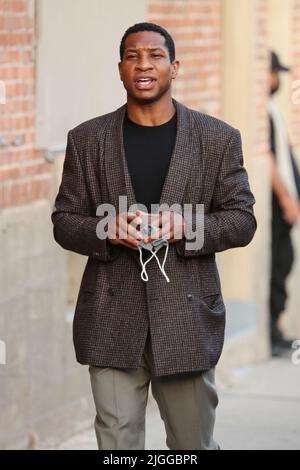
175	68
120	71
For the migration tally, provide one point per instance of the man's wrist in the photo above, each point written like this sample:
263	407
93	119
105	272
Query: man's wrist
284	201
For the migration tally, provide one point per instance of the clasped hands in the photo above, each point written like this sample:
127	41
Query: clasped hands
124	229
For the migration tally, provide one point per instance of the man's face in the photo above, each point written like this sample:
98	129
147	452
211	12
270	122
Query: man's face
146	70
274	82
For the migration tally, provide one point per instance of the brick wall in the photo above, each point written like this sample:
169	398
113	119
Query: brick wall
24	174
195	28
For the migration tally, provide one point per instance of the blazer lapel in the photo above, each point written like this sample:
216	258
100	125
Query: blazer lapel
116	171
181	160
180	167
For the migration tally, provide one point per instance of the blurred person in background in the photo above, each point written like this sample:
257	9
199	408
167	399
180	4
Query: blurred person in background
285	209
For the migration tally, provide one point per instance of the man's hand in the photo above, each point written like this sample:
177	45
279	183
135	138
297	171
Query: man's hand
291	209
171	224
122	230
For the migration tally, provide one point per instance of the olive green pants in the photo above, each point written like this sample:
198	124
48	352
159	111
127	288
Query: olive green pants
186	403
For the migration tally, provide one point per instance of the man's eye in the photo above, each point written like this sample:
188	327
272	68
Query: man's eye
131	56
157	55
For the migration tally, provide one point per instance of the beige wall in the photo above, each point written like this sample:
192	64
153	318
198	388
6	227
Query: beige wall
77	55
244	271
237	92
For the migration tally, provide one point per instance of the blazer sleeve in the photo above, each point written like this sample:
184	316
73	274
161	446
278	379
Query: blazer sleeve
231	222
74	226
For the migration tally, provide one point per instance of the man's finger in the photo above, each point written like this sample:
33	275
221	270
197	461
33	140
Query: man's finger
133	232
128	244
127	231
130	215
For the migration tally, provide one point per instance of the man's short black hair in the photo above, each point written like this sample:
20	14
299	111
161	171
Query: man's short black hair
138	27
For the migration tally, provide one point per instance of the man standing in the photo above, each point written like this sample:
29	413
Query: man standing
285	209
167	331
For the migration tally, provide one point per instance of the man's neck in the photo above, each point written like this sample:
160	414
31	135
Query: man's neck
151	114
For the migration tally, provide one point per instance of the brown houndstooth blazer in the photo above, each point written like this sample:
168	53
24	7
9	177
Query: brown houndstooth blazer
115	307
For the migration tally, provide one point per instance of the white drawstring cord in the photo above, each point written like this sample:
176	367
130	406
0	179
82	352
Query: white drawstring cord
161	267
144	264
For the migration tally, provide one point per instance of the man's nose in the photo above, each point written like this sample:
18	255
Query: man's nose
144	64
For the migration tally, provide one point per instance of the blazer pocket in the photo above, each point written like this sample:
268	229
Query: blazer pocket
214	302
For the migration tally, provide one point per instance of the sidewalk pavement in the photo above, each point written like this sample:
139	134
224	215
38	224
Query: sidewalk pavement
259	410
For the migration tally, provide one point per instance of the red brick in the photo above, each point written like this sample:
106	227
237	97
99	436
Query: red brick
15	23
24	192
14	172
14	6
16	39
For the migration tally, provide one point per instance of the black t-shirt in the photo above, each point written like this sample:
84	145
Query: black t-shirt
148	150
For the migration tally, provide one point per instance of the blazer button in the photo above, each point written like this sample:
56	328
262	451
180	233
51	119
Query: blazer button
190	296
111	291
